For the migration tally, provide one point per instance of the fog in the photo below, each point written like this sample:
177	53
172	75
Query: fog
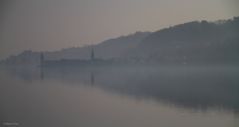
48	25
114	96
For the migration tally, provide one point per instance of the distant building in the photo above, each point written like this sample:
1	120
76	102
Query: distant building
41	59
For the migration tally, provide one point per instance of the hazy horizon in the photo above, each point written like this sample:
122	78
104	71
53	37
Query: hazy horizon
49	25
119	63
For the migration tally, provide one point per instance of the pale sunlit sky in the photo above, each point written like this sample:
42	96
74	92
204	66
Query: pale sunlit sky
47	25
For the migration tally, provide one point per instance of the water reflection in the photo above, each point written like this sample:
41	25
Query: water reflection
197	88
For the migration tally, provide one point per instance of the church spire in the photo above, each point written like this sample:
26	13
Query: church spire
92	54
41	59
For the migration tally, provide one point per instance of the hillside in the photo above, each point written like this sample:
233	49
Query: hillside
197	42
112	48
193	42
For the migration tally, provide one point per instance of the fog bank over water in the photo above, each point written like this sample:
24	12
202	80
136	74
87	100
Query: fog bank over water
123	96
119	63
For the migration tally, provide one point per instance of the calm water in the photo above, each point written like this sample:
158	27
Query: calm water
120	97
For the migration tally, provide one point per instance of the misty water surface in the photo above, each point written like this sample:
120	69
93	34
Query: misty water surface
120	97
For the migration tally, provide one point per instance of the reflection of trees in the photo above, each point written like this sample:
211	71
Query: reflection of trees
195	88
92	78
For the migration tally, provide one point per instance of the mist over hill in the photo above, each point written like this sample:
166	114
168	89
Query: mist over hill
193	42
112	48
197	42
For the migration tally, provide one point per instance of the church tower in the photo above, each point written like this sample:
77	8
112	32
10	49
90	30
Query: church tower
92	56
41	59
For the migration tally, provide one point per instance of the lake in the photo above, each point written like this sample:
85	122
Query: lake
120	97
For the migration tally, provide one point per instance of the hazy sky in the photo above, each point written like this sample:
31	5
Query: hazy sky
54	24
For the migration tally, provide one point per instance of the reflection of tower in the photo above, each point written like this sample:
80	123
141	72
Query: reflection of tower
41	73
92	78
92	56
